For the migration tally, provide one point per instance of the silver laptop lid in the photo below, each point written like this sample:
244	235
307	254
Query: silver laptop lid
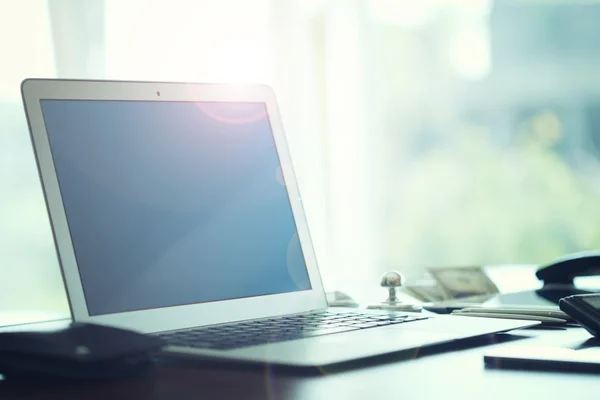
172	205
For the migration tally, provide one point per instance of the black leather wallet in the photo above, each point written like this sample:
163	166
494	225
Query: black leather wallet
77	351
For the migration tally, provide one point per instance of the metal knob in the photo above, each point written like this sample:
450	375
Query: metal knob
391	280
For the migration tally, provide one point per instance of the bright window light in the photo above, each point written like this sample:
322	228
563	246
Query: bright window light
26	44
416	14
408	14
200	40
470	52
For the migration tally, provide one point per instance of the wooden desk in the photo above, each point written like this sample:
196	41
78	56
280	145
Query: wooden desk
449	375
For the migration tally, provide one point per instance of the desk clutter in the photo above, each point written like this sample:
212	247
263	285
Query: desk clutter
470	291
440	284
91	351
558	304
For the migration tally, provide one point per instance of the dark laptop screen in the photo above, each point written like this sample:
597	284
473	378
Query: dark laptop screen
172	203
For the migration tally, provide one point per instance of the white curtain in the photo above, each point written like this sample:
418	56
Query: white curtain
307	50
30	281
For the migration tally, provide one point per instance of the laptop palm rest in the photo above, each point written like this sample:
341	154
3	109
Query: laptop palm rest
336	348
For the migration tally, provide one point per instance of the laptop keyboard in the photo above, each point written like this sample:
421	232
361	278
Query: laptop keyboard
280	329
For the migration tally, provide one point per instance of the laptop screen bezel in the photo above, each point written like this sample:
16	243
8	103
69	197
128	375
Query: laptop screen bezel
173	317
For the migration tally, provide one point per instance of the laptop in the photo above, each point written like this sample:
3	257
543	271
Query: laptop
176	212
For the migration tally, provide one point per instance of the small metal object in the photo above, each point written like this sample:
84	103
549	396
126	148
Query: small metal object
392	280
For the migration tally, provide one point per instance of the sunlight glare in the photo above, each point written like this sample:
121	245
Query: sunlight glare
201	40
416	14
407	14
25	40
470	52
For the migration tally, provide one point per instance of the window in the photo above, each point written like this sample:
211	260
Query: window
488	111
444	132
31	285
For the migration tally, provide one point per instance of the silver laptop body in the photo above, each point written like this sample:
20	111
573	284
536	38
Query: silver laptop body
174	206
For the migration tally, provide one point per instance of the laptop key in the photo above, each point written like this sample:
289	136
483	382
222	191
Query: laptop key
398	321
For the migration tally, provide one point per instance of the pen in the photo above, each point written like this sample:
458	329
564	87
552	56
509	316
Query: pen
520	311
511	316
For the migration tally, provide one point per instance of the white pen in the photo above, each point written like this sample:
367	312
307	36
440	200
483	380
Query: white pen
521	311
511	316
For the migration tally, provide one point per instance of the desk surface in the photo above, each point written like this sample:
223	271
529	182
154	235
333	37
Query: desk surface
448	375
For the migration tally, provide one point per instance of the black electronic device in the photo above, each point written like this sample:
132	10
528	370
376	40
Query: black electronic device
566	269
543	358
585	309
558	277
76	351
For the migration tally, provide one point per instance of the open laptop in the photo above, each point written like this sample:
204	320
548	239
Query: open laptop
175	211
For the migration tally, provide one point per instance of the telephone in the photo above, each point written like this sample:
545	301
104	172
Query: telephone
558	277
564	270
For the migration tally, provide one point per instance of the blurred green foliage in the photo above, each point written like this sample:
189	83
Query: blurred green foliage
474	202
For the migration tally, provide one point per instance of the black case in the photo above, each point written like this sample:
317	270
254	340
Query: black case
583	312
78	351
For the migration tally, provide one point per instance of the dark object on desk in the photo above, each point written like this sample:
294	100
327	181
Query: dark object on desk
544	358
76	351
559	276
553	293
564	270
585	309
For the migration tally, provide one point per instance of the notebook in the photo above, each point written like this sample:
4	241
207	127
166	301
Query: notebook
176	212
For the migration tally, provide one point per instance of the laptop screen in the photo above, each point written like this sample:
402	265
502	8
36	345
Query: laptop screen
173	203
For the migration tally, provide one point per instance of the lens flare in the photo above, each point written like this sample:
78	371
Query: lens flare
241	113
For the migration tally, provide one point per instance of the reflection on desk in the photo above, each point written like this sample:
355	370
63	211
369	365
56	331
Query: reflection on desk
448	375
